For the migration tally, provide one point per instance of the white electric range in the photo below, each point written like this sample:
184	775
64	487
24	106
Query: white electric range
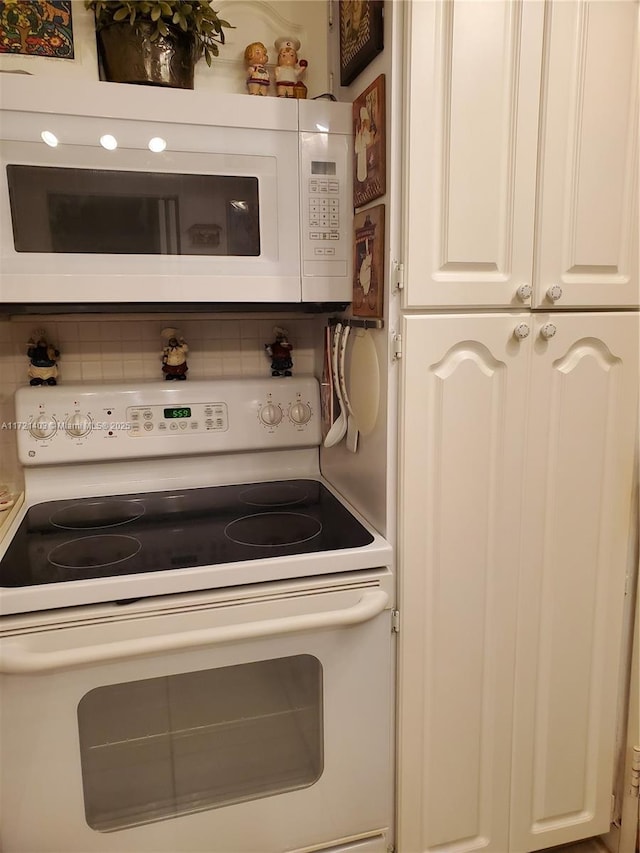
196	637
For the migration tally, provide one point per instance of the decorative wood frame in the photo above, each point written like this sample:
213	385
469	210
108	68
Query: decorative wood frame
368	263
369	144
37	29
361	35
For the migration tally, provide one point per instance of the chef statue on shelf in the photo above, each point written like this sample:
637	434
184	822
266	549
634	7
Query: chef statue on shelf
288	70
280	353
258	78
43	360
174	355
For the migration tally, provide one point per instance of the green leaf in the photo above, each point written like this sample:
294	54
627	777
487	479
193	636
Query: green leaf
121	14
156	12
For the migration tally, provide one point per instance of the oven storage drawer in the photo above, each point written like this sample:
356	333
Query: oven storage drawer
230	727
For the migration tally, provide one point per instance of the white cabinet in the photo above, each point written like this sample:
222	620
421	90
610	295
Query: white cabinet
516	467
522	140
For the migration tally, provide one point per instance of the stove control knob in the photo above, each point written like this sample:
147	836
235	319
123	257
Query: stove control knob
300	413
78	425
42	427
271	415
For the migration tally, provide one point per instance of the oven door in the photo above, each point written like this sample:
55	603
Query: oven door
225	725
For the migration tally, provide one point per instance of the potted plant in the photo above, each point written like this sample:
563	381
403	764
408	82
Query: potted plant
156	42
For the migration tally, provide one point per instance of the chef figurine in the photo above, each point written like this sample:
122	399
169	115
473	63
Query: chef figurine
174	355
280	353
43	358
256	58
289	70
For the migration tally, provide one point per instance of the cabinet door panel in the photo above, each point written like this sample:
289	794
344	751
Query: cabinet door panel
587	238
464	386
472	116
578	477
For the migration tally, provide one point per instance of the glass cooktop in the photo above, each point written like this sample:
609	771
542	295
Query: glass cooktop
155	531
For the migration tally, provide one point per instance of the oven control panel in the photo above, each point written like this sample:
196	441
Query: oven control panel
195	418
77	423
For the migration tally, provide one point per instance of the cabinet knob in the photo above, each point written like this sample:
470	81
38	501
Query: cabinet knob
521	331
554	293
524	292
547	331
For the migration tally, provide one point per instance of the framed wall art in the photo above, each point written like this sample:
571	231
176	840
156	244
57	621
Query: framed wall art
37	28
368	263
369	149
361	36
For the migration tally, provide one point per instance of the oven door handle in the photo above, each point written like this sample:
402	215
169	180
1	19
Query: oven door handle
16	657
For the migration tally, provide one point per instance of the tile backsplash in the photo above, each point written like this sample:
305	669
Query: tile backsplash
109	348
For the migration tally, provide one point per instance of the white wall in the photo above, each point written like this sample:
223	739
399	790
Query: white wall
365	478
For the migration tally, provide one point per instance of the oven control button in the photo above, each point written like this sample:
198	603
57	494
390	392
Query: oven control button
78	425
300	413
271	415
43	427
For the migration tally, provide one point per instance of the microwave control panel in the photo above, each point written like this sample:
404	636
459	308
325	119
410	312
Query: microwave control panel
326	210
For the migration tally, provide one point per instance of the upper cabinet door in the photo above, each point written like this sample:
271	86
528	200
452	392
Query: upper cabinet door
587	236
474	71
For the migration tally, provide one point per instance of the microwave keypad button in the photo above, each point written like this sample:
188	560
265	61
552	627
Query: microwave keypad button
318	251
330	251
135	416
147	415
173	426
183	424
314	235
148	426
334	236
314	223
334	186
194	424
208	411
161	426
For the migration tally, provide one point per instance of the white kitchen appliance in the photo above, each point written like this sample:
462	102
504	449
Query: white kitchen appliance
196	640
165	196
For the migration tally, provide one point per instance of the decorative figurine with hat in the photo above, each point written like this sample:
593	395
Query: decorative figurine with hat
174	354
280	353
43	359
289	70
256	58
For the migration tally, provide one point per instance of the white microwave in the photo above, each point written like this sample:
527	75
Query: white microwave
114	193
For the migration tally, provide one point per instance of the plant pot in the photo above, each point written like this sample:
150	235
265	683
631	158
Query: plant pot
129	56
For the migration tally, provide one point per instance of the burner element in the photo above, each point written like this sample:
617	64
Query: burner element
274	494
94	552
91	515
273	529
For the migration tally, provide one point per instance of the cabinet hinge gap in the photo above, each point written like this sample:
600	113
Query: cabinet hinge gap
635	772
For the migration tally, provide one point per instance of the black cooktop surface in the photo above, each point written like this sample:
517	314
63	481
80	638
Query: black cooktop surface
128	534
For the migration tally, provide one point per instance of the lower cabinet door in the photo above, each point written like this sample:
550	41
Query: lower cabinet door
574	559
462	427
517	459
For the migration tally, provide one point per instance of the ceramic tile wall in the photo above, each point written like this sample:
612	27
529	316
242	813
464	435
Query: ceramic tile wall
112	347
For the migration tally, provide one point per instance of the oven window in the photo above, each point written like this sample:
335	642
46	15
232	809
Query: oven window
184	743
98	211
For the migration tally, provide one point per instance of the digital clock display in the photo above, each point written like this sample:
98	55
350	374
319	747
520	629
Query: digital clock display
177	413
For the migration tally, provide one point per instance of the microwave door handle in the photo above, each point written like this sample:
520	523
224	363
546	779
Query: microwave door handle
15	658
